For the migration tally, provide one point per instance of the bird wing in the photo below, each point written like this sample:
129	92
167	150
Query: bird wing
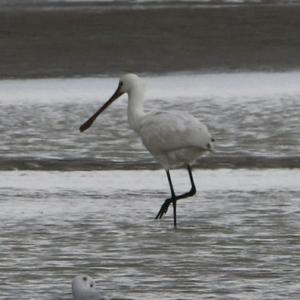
164	131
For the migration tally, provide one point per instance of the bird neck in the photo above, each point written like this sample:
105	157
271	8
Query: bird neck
135	110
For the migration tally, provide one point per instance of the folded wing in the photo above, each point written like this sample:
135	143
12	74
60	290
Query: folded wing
164	131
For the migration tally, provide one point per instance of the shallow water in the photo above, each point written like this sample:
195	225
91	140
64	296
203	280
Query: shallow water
249	115
238	238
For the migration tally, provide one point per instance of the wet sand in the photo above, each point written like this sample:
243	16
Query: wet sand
82	42
205	163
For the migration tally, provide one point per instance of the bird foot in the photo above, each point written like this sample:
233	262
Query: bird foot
164	208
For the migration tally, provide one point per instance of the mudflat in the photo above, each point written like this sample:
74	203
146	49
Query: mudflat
85	42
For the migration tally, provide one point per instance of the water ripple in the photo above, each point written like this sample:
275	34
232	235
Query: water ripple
231	242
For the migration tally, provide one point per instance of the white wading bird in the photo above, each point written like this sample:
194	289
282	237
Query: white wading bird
83	288
173	138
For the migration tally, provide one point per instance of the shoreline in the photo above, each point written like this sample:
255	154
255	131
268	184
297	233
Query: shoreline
230	162
136	4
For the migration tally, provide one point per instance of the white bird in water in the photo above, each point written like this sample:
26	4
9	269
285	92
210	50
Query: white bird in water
83	288
173	138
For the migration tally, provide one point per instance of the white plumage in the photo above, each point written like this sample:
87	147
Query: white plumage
173	138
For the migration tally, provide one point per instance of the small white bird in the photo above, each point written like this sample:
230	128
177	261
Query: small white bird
83	288
173	138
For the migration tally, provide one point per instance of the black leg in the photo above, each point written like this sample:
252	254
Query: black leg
174	213
164	208
193	188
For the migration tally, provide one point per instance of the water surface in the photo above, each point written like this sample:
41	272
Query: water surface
249	114
237	239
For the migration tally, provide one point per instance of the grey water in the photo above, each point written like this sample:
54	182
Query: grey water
238	238
254	118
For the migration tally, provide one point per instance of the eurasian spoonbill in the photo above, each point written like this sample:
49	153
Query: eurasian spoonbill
173	138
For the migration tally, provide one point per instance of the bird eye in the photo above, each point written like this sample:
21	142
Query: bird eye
121	83
84	278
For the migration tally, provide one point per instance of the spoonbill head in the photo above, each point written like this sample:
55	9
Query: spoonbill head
129	83
173	138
